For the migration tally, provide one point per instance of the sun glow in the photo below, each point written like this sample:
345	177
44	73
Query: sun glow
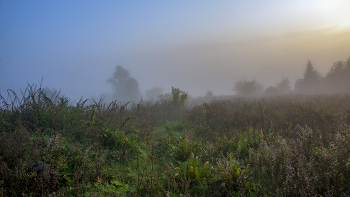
326	13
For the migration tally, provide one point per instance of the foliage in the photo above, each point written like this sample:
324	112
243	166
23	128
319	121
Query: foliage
310	72
117	140
311	83
283	86
209	94
195	169
126	88
179	98
183	149
337	78
276	146
248	88
165	97
110	189
154	92
235	177
271	91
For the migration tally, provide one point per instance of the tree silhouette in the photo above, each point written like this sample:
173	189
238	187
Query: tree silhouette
248	88
126	88
347	74
311	83
209	94
283	87
310	72
338	77
154	92
347	67
271	91
179	98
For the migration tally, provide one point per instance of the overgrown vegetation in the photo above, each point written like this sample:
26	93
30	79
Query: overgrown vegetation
281	146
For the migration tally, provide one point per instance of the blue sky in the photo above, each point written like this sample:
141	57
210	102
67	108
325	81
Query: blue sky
193	45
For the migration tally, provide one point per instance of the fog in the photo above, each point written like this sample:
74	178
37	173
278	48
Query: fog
196	47
200	67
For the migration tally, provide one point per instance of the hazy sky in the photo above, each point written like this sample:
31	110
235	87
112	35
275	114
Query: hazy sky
194	45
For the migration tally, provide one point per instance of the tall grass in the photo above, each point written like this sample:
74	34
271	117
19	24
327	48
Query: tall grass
295	145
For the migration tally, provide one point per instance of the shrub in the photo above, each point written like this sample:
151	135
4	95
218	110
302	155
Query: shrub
179	98
184	149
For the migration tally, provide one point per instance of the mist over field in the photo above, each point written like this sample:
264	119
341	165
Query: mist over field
216	66
175	98
188	45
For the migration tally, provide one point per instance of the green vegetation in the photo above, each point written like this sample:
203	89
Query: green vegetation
281	146
248	88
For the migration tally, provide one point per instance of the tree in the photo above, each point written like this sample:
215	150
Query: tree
347	74
154	92
335	77
310	72
165	97
337	71
126	88
283	87
248	88
298	87
338	77
209	94
347	68
271	91
311	83
179	98
50	93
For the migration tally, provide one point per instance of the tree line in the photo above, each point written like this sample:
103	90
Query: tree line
337	80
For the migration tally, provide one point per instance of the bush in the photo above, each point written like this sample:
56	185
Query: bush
179	98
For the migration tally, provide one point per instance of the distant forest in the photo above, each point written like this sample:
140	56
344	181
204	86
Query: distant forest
337	80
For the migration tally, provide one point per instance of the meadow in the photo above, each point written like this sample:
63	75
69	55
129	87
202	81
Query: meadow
294	145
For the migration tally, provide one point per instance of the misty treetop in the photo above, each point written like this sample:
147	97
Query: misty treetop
209	94
126	88
311	83
338	78
154	92
248	88
283	87
179	98
271	91
253	88
310	72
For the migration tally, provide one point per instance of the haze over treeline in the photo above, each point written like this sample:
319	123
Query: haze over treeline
337	80
193	46
218	65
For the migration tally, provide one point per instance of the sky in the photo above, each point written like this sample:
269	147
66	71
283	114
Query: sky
199	45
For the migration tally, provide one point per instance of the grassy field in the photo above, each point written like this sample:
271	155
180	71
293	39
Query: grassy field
293	145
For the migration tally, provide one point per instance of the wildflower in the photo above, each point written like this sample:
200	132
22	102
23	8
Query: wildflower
191	169
30	174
